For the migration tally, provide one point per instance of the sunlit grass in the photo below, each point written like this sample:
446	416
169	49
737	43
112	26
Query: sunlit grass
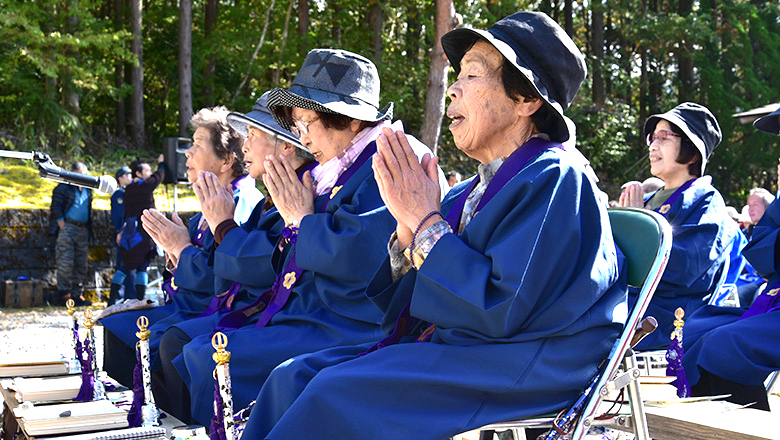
21	187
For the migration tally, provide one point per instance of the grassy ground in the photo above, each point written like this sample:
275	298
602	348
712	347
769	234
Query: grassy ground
22	187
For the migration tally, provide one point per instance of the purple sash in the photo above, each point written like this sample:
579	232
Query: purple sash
667	204
509	169
764	303
273	299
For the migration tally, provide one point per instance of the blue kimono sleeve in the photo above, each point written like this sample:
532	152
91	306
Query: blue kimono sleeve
701	238
244	255
537	261
348	244
194	270
761	249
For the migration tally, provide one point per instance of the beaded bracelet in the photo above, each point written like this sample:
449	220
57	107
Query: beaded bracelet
417	232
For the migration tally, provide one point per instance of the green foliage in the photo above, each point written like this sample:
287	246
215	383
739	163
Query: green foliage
50	50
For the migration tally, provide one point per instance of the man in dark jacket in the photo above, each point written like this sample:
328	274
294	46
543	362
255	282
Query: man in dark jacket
71	222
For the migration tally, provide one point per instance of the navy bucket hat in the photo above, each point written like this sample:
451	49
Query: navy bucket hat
537	47
260	118
333	81
697	122
769	123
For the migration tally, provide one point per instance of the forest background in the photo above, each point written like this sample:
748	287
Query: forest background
105	81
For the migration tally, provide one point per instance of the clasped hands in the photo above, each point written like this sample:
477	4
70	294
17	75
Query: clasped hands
632	196
292	198
408	186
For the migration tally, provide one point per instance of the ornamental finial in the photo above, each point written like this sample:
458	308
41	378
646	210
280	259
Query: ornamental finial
70	303
219	341
143	323
88	322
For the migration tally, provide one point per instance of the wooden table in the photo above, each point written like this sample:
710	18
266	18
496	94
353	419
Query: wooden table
705	422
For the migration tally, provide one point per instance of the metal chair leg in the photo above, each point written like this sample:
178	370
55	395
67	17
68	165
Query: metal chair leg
638	419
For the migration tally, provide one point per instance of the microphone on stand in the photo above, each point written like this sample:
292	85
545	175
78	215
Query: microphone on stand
48	170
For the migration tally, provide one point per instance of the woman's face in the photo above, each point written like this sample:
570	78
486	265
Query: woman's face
664	153
257	146
481	112
201	155
324	143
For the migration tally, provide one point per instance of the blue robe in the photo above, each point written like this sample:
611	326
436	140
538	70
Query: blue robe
523	301
327	307
702	237
194	277
742	351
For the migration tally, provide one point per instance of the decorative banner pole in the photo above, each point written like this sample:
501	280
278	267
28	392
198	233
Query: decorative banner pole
149	413
222	424
99	392
674	356
74	364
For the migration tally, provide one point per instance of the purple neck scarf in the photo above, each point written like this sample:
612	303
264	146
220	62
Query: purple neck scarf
766	302
667	205
273	299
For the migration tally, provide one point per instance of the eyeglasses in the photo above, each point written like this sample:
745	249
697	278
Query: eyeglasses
300	127
660	135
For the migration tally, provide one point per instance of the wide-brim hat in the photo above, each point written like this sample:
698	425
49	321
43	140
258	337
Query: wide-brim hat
333	81
769	123
697	122
122	171
540	49
260	117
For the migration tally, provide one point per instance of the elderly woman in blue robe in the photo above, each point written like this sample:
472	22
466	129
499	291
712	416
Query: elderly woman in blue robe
335	235
680	142
732	350
499	300
262	229
216	148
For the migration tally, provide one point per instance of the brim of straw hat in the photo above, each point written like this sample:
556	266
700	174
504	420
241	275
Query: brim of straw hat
261	121
325	102
457	42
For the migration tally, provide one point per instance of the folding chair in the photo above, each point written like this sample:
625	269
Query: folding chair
645	238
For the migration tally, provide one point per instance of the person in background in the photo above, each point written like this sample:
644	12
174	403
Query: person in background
758	201
733	350
453	178
680	143
135	245
652	184
71	221
123	177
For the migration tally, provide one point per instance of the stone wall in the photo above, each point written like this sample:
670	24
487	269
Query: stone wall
27	250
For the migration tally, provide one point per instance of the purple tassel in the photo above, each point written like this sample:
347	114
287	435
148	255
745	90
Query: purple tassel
87	390
217	429
674	367
135	416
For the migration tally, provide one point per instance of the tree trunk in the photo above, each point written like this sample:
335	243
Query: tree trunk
685	58
119	75
437	77
303	26
336	28
72	103
375	19
278	70
568	19
597	50
254	54
185	65
210	19
137	75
